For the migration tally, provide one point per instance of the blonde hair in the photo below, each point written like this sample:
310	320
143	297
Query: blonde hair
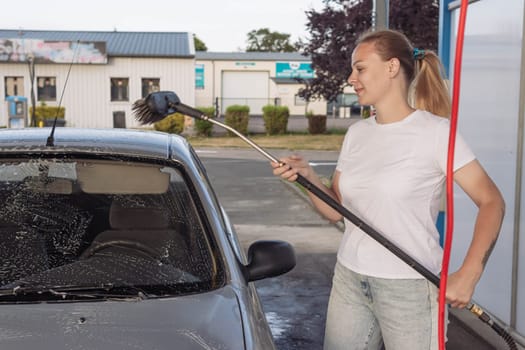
423	72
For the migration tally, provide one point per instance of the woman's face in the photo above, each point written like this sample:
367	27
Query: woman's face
370	74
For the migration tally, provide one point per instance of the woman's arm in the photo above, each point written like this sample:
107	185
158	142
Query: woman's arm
473	179
293	165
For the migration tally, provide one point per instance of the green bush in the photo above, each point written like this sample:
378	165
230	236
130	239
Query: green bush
366	112
44	112
275	119
173	124
204	127
237	117
316	123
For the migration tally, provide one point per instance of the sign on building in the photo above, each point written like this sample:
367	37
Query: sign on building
21	50
301	70
199	76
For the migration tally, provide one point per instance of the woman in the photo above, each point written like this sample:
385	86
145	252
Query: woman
390	173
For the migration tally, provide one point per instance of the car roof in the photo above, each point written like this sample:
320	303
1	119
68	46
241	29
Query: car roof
127	142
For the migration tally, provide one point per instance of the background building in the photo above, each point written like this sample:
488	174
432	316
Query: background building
254	79
108	71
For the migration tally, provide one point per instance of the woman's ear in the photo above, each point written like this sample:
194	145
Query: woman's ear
393	67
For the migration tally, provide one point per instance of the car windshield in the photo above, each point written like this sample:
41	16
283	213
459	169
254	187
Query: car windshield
84	225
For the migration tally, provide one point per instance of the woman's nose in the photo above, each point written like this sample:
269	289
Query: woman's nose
351	80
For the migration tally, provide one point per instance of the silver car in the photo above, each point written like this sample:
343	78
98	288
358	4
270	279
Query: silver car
114	239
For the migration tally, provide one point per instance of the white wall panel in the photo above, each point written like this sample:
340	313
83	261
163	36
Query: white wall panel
488	120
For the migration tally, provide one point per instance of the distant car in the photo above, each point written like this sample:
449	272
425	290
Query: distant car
360	110
115	239
355	108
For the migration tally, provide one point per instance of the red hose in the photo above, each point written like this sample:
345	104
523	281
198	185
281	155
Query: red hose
450	174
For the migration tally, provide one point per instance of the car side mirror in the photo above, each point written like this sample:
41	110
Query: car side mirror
269	259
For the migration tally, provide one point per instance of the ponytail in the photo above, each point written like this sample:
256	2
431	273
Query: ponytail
429	90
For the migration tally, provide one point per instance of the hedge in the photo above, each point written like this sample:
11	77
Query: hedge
204	127
316	123
173	124
275	119
44	112
237	117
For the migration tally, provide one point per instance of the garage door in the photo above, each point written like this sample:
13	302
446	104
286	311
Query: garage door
245	88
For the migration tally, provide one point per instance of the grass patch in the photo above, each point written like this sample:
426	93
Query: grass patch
292	141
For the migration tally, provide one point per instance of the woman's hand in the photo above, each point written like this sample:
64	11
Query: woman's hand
460	288
290	167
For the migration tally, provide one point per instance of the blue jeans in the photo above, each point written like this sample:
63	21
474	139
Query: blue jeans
368	313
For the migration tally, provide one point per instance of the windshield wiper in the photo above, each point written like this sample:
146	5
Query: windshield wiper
107	290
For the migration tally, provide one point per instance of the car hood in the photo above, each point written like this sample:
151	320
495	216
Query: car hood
205	321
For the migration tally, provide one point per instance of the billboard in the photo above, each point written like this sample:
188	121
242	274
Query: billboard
302	70
21	50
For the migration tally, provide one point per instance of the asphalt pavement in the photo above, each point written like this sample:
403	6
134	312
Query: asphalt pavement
263	207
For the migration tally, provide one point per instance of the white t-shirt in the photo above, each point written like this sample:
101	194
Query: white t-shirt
392	177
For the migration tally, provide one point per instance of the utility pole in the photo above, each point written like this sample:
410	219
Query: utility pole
380	11
31	63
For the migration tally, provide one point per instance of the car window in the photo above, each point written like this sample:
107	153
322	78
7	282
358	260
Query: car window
226	225
90	223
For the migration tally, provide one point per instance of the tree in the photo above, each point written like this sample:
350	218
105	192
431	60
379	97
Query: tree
337	26
199	44
418	19
263	40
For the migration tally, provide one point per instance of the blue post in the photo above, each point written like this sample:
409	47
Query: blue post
444	55
444	34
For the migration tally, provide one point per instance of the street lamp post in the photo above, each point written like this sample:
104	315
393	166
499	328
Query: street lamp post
31	62
380	14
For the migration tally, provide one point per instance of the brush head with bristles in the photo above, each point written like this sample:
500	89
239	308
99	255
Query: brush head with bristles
155	107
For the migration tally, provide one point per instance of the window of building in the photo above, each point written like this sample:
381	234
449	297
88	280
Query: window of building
14	86
299	101
119	119
119	89
150	85
46	88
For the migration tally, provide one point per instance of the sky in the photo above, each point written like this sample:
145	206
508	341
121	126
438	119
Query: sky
222	25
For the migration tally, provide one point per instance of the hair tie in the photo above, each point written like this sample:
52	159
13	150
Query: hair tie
418	54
